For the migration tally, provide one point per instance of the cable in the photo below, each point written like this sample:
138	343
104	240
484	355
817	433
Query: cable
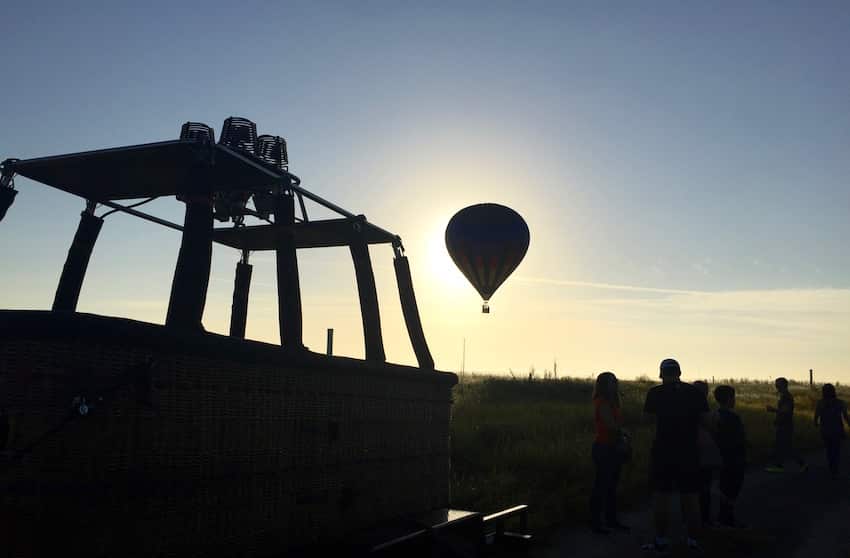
137	204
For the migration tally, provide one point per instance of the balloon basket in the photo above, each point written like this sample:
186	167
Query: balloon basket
485	308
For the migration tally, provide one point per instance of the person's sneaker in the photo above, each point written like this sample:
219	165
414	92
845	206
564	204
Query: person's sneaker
658	546
775	469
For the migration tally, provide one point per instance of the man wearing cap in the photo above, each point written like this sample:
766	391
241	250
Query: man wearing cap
679	409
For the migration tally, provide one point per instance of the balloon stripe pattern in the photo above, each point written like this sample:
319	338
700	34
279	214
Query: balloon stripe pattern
487	242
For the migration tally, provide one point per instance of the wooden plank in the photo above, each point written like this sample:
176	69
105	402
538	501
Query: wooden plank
516	510
444	517
406	538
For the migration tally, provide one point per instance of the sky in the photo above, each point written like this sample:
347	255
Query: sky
682	167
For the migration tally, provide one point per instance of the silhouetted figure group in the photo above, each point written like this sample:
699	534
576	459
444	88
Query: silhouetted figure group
692	448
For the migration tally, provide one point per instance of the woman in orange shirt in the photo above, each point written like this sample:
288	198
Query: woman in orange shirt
607	459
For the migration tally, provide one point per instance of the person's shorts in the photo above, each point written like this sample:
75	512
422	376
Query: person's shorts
666	475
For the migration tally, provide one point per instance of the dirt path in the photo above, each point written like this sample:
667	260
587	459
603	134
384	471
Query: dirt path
790	515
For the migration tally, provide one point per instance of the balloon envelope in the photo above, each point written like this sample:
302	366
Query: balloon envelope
487	242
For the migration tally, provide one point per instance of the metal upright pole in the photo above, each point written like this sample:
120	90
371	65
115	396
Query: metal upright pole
463	358
330	341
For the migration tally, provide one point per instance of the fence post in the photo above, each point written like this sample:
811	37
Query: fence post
330	341
811	379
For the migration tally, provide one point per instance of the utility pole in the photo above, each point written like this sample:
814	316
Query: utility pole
811	379
330	341
463	367
463	358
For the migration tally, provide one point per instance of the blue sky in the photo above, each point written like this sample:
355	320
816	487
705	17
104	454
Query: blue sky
682	166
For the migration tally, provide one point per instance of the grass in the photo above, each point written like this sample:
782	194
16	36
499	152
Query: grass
519	441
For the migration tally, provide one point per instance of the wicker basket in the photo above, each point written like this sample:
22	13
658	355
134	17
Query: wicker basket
204	444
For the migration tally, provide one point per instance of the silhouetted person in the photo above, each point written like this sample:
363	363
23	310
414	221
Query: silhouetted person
732	442
607	457
709	461
784	423
830	415
679	409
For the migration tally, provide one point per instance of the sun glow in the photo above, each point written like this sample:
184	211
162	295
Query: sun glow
443	274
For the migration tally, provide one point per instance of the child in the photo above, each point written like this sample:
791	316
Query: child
784	423
709	459
828	417
732	442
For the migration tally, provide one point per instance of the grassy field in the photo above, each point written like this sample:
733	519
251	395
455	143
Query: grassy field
520	441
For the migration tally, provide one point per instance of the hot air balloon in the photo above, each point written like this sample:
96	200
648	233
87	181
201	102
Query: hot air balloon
487	242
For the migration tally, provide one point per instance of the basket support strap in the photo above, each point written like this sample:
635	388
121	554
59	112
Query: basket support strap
192	273
411	313
239	309
368	294
288	285
74	271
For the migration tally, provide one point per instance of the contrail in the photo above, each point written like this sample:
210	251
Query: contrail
633	288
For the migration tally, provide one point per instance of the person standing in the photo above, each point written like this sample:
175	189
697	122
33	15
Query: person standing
709	460
830	415
679	410
607	458
732	441
784	423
